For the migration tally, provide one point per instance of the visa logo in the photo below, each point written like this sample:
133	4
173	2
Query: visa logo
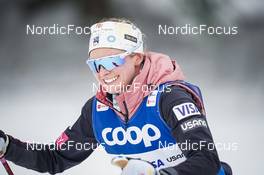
185	110
158	163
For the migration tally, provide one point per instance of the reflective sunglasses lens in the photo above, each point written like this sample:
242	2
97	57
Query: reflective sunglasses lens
107	63
92	65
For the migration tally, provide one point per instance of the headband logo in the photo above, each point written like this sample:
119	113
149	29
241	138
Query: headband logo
130	38
115	35
95	40
111	38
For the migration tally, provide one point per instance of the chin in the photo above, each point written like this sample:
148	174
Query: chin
112	89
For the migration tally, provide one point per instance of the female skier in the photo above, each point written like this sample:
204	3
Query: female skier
144	114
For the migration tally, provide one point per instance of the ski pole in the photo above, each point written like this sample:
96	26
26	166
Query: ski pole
7	167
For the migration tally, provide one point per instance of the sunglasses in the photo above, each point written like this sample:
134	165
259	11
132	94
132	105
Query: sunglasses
108	62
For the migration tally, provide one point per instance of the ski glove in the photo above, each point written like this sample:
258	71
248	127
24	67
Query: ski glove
4	140
131	166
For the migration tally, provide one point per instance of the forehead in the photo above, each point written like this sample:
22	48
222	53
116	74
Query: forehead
102	52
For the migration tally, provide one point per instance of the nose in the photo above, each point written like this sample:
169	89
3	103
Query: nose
103	71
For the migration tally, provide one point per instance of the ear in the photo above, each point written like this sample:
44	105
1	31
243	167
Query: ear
138	58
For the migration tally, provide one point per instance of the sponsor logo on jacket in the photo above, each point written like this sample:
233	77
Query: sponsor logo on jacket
120	136
101	107
157	163
62	139
185	110
192	124
175	157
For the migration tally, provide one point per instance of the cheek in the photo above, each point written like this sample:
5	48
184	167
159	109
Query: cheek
127	73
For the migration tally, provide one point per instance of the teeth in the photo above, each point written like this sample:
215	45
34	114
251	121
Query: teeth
110	80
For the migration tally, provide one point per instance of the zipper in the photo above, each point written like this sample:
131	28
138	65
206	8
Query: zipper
126	115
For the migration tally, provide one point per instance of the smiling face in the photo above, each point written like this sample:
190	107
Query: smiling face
117	79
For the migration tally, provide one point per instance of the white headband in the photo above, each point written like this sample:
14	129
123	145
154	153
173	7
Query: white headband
115	35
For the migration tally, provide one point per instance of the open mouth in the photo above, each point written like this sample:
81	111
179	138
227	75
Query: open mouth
110	80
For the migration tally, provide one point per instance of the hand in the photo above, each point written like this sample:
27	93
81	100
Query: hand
132	166
4	140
